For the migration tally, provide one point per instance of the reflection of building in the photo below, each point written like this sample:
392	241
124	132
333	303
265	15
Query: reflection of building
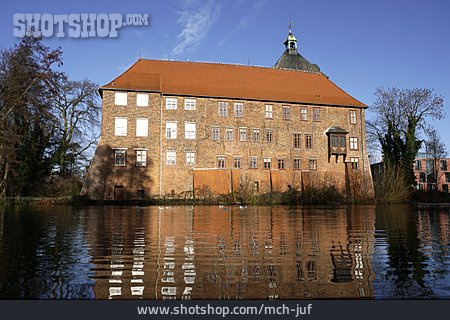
172	127
432	174
228	253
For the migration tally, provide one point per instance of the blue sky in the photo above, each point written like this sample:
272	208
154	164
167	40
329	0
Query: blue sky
360	45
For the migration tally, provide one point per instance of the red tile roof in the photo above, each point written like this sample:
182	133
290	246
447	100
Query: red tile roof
232	81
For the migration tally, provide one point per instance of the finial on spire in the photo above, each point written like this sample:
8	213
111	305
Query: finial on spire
290	24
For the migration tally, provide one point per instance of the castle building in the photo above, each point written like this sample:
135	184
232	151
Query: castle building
171	127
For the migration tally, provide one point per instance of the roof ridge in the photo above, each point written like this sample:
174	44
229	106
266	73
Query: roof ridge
236	64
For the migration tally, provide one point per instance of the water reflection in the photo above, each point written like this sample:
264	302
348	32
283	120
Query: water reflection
225	253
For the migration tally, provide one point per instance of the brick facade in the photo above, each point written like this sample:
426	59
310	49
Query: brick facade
430	179
105	180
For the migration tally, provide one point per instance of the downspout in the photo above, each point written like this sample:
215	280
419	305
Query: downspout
363	139
160	145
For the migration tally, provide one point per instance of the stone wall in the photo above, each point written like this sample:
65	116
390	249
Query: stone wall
158	178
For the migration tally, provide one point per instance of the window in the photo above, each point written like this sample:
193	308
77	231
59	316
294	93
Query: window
269	111
189	104
422	177
286	113
269	135
243	134
267	163
418	165
171	130
281	164
171	103
308	141
189	130
190	158
171	157
120	126
223	109
253	162
353	143
256	186
229	134
316	114
120	98
354	162
141	127
297	140
141	158
312	164
352	114
215	133
255	135
445	188
297	164
444	165
303	114
237	162
142	100
238	110
447	177
338	141
119	158
221	162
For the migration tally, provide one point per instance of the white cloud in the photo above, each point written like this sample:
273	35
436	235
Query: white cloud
196	17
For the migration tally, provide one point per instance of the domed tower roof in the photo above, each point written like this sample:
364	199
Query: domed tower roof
291	59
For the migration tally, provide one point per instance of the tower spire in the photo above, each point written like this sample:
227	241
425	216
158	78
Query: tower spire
291	41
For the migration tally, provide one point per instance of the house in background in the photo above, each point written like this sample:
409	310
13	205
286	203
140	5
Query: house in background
432	174
171	127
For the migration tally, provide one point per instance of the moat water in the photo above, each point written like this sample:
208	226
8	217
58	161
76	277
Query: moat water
212	252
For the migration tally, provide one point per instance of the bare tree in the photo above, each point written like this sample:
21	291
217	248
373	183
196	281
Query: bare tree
77	109
400	114
435	148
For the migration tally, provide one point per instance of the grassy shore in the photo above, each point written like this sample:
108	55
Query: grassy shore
311	197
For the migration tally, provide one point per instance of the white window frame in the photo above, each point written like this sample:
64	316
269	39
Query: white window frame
223	109
251	161
256	133
242	134
120	130
316	114
303	113
120	98
221	159
286	113
353	143
271	135
171	157
312	164
214	131
229	134
295	161
141	158
142	99
354	160
120	151
171	130
353	117
238	110
190	158
237	160
190	130
190	104
269	111
142	127
267	163
171	103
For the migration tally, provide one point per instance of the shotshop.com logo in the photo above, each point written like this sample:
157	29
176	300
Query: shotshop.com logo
75	25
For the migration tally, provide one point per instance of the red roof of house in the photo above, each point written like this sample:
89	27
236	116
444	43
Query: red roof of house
232	81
